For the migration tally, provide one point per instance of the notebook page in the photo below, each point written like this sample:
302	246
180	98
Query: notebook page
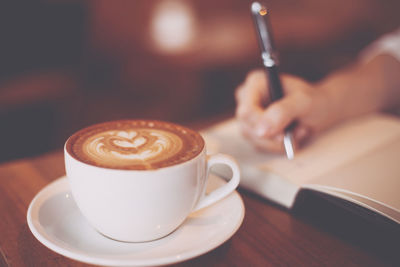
374	176
226	138
337	147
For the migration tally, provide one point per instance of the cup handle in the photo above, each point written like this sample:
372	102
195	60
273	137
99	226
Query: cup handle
224	190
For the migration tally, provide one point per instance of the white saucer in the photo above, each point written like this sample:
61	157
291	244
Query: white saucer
55	220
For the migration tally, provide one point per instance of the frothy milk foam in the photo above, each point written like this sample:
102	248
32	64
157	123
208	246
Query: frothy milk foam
135	144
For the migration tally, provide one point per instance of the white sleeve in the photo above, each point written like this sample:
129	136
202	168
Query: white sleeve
388	44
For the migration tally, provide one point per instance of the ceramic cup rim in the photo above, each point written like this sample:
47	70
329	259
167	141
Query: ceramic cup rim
109	169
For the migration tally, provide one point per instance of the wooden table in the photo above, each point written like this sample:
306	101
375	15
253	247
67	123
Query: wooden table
316	233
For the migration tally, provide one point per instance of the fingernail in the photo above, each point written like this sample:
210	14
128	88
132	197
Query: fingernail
262	130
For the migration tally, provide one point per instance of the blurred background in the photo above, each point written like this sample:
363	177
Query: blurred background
68	64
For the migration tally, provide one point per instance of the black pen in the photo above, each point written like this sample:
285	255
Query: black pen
270	62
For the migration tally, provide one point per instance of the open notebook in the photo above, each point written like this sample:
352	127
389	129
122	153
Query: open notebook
357	161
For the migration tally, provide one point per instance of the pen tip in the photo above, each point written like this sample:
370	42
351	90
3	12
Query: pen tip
288	144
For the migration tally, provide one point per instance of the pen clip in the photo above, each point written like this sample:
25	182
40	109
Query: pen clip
260	14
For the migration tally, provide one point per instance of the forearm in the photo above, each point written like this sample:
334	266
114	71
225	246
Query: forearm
362	88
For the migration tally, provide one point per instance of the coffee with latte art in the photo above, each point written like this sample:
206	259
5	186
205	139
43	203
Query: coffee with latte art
135	144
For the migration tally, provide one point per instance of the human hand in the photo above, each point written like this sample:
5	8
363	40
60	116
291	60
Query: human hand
264	127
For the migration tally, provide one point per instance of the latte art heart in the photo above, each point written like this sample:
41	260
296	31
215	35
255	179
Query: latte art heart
142	146
135	145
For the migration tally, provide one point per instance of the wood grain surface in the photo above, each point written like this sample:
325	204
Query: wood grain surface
316	233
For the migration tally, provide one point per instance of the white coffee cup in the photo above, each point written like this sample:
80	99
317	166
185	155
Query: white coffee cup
144	205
